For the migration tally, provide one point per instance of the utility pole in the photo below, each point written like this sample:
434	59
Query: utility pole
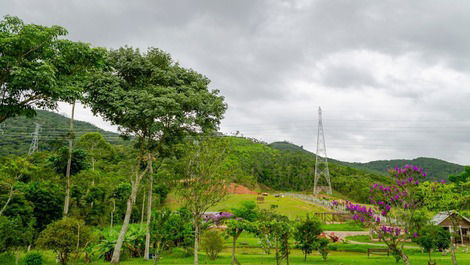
321	161
34	143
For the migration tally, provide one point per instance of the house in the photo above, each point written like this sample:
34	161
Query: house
449	220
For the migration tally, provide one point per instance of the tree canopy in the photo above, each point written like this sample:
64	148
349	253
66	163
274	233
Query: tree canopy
39	68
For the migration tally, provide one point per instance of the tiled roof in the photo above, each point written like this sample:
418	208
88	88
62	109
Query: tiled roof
440	217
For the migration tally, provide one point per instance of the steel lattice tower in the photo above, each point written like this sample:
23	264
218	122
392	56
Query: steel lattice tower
321	162
34	143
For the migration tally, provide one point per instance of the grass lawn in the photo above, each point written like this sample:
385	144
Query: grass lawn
255	256
366	239
343	227
249	253
289	207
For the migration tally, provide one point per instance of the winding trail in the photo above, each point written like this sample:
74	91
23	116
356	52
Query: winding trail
344	234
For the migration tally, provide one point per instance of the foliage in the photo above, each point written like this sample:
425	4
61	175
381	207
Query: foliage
33	258
7	258
212	243
171	229
204	180
323	247
65	237
151	97
14	234
276	230
291	169
234	229
79	161
247	211
433	237
96	147
47	199
53	134
435	168
135	241
40	68
396	205
306	235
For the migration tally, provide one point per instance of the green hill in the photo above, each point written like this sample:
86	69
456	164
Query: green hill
16	133
289	168
281	166
435	168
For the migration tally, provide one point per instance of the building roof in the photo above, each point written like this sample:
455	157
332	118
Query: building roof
440	217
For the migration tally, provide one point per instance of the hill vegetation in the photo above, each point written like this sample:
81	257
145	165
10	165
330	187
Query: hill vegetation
436	169
16	133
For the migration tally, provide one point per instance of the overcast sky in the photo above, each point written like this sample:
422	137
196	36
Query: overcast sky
392	77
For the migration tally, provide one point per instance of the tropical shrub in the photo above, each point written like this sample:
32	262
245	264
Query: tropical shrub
306	235
212	243
33	258
433	237
65	237
323	247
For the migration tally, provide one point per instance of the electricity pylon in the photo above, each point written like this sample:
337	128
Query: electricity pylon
321	161
34	144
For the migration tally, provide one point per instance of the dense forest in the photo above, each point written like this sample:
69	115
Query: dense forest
16	134
255	162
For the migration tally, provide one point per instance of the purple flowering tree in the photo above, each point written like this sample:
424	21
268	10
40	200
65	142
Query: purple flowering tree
217	218
393	208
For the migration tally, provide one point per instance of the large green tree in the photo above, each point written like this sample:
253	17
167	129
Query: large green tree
38	68
12	171
306	235
204	182
154	99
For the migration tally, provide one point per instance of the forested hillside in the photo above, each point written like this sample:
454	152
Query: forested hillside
278	166
436	169
289	170
16	133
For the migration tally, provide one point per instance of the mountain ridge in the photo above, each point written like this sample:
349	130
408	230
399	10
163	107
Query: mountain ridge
16	137
436	168
16	134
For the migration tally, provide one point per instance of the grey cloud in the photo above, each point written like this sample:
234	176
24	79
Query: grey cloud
348	77
264	57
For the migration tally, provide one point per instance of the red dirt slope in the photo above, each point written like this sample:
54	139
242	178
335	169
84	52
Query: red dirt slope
239	189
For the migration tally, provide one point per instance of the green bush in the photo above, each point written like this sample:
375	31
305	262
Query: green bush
33	258
323	247
212	243
65	237
7	258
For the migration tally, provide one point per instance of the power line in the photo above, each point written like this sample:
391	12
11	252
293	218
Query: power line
34	144
321	161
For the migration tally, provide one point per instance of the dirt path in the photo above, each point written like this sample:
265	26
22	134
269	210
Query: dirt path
344	234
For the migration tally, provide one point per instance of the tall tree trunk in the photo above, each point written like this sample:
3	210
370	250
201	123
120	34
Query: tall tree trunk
452	252
69	165
10	196
234	246
125	225
404	257
196	240
142	213
149	212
